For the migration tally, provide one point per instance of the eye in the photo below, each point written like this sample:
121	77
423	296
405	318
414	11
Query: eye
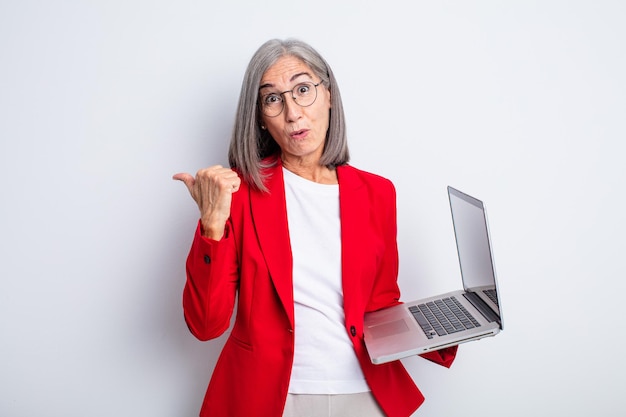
272	99
302	89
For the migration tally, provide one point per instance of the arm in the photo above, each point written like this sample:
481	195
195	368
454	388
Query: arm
212	273
212	277
443	357
386	292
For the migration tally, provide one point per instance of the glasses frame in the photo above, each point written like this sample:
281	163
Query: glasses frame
282	94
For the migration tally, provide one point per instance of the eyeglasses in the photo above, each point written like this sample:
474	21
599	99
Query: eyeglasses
303	94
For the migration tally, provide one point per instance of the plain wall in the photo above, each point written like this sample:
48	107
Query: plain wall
519	103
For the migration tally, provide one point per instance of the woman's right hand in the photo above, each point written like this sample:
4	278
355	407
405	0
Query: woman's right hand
212	190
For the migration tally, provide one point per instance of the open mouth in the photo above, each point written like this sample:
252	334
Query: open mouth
299	134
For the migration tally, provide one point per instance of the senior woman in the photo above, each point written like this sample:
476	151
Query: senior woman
305	243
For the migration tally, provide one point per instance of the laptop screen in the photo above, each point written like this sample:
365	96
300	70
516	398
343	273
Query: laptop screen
473	245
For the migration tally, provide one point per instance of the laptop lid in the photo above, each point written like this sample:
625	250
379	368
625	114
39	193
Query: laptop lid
474	249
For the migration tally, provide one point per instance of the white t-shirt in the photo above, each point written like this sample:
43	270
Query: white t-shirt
325	361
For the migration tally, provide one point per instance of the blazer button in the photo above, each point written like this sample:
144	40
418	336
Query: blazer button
207	259
353	331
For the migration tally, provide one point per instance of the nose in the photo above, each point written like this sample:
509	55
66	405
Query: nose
292	110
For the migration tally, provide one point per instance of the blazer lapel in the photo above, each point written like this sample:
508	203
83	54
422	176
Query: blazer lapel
354	212
269	215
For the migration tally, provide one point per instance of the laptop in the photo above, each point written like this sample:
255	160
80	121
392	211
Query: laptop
447	319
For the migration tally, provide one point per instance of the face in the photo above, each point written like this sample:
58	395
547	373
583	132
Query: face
299	131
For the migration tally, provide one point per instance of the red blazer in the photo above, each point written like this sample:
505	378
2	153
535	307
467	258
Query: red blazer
254	260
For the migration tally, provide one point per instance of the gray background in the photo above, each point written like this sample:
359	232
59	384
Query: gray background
519	103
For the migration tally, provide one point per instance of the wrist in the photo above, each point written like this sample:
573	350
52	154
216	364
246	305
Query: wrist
212	230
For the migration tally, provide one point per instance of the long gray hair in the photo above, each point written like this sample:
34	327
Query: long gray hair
249	144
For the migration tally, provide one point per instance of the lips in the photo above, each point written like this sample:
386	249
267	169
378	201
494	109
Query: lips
299	134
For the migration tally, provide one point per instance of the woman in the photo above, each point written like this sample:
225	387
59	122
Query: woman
305	243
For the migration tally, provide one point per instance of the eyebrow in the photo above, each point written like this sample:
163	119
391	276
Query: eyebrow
293	77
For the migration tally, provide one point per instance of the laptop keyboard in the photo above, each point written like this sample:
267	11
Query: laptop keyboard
442	317
492	295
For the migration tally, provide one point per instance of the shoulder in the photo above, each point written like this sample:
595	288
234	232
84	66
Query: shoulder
356	176
272	176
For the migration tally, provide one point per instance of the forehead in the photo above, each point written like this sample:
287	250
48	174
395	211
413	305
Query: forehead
285	71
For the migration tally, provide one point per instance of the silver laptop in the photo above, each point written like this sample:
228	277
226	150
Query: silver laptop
448	319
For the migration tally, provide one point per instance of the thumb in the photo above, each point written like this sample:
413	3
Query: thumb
188	179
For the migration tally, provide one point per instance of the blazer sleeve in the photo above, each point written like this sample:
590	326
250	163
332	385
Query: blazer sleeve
210	289
385	292
443	357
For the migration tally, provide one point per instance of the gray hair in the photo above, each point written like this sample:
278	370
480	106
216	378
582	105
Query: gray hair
249	144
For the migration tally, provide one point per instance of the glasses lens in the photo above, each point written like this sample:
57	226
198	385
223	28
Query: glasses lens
305	94
272	104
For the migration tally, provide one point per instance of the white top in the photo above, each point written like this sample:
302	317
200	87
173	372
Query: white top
325	361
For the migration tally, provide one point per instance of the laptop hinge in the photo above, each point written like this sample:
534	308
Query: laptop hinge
482	307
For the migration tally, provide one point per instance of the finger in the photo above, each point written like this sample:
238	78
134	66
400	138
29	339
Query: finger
228	180
186	178
218	175
218	172
228	174
236	184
